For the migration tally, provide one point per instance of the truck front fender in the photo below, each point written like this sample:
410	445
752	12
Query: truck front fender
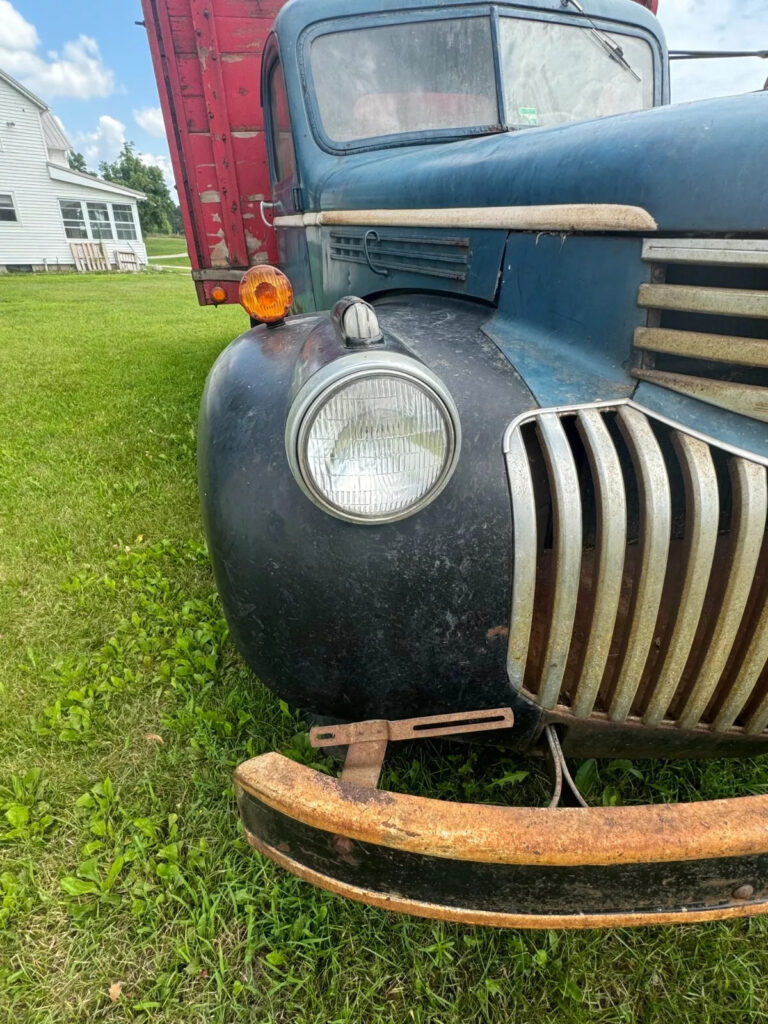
402	619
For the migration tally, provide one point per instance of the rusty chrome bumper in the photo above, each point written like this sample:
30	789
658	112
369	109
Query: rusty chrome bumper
506	866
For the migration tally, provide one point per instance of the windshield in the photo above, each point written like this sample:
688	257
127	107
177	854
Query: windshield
439	76
417	77
555	73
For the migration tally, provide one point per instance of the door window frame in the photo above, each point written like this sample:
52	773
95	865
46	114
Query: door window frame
271	62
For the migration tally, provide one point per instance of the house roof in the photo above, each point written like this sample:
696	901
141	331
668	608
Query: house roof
54	136
5	77
52	130
59	173
56	139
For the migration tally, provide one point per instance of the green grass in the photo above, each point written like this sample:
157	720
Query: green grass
162	245
163	249
125	710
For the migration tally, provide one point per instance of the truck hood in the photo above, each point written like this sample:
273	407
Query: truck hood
694	167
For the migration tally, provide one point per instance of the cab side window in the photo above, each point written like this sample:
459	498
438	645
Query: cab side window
280	126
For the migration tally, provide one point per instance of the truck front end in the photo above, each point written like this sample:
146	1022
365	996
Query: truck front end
514	482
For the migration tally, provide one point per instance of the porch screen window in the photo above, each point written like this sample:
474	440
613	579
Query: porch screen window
98	216
7	209
74	221
124	222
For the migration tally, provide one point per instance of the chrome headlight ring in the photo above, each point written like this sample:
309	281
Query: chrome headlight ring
337	377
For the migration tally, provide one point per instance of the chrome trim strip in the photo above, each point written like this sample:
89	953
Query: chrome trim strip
712	300
734	252
720	348
744	399
561	217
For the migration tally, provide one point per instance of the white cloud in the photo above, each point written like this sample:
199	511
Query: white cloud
715	25
104	143
164	163
151	120
77	71
16	33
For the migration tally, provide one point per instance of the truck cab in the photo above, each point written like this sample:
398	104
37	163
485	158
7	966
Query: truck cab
365	104
498	436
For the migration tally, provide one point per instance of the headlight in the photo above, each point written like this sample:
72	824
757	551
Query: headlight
373	438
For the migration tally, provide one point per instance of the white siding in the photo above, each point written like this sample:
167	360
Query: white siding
38	237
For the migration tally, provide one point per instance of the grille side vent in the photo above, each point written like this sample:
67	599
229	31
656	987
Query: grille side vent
707	331
447	258
640	581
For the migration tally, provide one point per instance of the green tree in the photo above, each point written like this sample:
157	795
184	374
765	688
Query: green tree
77	161
177	224
156	211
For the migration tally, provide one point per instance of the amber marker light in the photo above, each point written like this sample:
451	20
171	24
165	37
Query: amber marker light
218	294
266	293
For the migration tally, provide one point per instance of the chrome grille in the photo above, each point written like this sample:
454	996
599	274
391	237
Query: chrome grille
640	579
707	330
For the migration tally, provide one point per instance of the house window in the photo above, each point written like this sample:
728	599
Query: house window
74	221
98	216
124	222
7	209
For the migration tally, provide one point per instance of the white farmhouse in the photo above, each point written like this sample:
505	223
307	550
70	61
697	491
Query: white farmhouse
45	206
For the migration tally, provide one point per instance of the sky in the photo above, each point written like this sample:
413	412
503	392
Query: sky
90	62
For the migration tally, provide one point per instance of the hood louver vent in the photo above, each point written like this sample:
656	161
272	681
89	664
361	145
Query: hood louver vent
384	251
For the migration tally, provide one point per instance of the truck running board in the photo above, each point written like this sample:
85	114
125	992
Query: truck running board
557	867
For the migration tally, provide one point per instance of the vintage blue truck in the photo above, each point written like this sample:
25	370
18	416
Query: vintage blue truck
503	469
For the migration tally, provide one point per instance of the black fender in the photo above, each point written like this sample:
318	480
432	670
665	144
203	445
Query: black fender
355	622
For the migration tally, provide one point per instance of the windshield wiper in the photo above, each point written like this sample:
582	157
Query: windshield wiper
608	44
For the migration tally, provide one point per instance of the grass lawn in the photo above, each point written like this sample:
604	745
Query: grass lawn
125	710
163	249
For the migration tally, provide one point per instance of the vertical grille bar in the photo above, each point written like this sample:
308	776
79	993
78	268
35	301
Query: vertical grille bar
702	515
750	501
611	546
524	568
567	529
759	721
754	663
655	530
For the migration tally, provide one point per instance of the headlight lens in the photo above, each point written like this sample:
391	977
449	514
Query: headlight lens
377	446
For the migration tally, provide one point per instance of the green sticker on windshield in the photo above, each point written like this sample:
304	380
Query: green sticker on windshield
529	115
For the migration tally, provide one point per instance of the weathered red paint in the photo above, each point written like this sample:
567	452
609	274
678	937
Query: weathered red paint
207	61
